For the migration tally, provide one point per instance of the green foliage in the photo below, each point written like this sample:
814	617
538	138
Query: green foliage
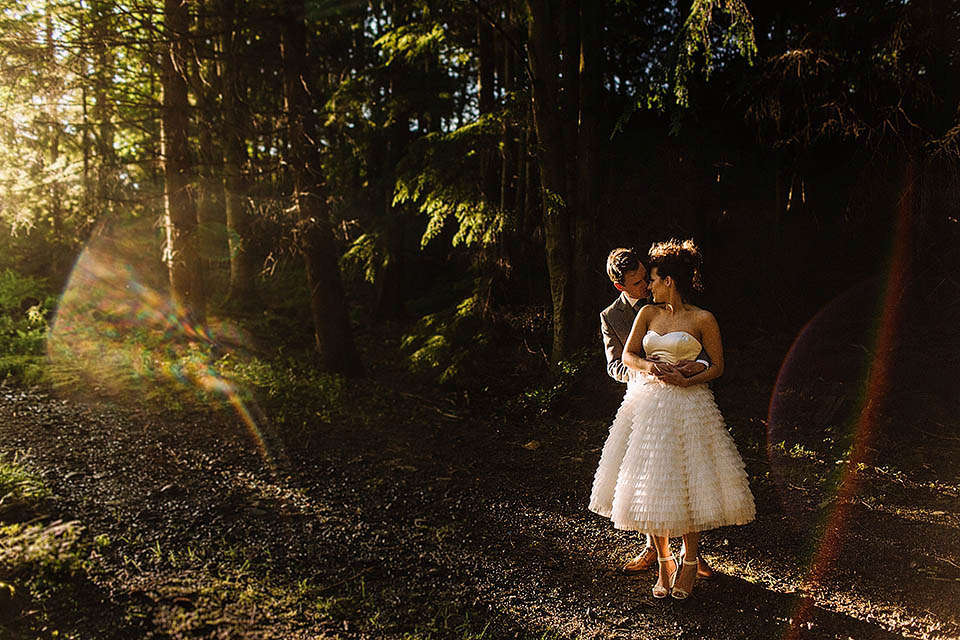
24	306
554	203
414	42
439	174
18	483
696	38
368	255
46	89
40	568
37	559
442	344
796	451
15	288
284	382
674	47
872	76
39	549
178	374
545	397
23	370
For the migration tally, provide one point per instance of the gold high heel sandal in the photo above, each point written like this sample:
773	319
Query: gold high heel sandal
659	591
677	592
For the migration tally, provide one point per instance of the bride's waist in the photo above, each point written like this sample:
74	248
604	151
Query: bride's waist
642	378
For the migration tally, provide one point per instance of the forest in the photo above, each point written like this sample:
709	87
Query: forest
299	312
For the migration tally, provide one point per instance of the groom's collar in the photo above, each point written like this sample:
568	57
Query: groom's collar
629	301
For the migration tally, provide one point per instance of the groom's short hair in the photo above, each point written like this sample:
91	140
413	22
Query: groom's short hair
621	261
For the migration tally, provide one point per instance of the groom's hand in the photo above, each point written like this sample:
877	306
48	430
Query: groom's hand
689	368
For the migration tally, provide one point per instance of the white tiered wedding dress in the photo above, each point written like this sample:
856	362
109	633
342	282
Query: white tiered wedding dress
669	466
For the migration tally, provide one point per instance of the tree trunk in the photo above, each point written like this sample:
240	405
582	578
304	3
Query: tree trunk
508	142
588	156
180	213
103	110
557	216
566	92
388	292
205	70
242	290
388	289
486	65
526	194
85	119
56	188
334	341
56	208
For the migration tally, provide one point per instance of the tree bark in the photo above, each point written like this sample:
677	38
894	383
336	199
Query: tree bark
242	290
180	213
589	155
205	77
561	121
508	141
85	119
486	66
103	110
388	292
566	102
56	188
334	341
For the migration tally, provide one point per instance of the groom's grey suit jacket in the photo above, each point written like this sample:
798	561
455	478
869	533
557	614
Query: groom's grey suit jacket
615	324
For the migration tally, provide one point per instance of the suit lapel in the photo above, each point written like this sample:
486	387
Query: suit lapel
625	317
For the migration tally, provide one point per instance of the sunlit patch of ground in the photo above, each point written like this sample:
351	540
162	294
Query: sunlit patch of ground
410	513
118	336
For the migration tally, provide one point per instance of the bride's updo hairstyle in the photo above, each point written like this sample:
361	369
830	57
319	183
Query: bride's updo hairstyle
681	261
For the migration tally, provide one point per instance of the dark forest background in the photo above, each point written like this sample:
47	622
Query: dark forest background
313	169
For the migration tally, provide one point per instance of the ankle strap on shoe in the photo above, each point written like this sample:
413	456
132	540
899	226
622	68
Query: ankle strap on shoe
691	562
659	559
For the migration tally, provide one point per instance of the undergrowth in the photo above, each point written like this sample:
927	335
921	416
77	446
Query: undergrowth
161	370
41	560
547	393
18	483
238	590
443	345
25	307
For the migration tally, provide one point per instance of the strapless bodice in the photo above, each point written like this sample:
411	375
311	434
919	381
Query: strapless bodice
671	347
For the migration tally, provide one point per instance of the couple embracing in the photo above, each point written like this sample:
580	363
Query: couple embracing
669	467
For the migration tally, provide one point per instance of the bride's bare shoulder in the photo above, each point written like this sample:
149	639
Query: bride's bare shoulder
648	311
704	317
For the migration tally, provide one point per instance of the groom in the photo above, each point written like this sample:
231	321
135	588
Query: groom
629	276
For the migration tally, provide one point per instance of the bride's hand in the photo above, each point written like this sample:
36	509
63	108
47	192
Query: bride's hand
658	368
670	374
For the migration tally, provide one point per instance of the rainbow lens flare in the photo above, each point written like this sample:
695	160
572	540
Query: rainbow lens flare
117	335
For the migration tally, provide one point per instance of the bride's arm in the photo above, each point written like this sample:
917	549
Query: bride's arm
634	346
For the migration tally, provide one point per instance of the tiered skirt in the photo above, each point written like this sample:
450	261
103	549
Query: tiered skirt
669	466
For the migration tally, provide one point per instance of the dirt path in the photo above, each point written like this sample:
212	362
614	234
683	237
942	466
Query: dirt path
424	516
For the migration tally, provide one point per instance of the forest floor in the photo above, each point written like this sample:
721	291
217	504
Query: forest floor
413	512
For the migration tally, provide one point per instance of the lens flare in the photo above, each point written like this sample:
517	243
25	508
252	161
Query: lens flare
819	387
116	334
814	358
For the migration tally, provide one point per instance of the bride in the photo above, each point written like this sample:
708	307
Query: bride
669	467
